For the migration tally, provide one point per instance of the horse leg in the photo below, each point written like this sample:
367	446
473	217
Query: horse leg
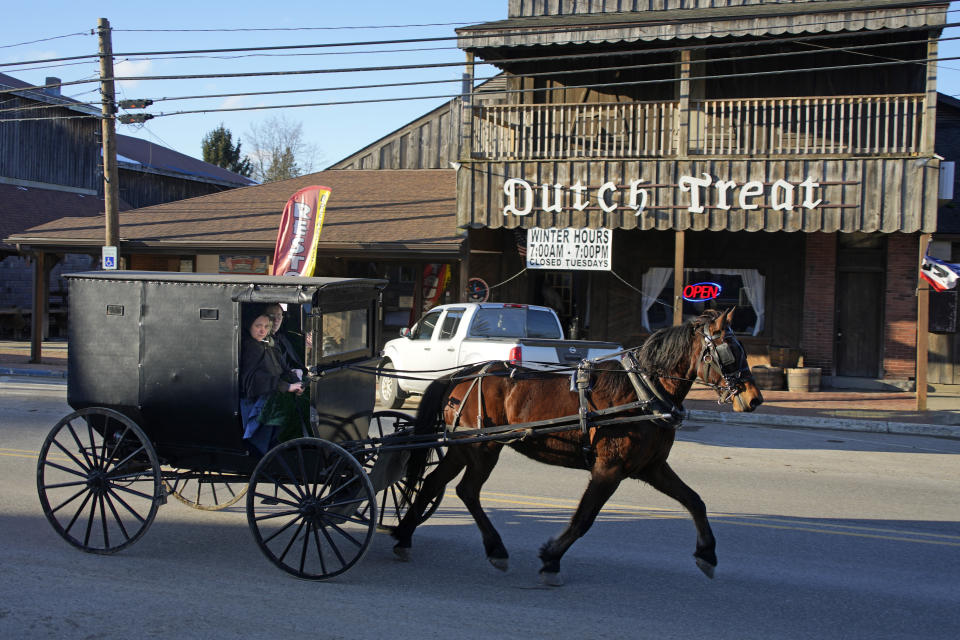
601	486
448	468
664	479
468	490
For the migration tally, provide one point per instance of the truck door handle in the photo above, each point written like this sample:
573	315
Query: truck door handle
451	349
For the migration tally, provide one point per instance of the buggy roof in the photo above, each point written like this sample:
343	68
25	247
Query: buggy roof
249	288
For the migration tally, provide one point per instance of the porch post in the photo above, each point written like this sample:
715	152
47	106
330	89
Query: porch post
39	306
683	143
466	118
923	324
678	250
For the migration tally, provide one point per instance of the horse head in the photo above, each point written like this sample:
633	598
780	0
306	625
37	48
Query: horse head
723	362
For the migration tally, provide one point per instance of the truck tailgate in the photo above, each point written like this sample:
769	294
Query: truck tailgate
572	351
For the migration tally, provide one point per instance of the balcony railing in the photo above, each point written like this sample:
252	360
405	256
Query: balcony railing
856	125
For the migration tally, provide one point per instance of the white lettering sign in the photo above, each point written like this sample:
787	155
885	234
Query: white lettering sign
781	195
570	248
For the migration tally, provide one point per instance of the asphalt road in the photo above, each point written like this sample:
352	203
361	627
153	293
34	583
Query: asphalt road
820	535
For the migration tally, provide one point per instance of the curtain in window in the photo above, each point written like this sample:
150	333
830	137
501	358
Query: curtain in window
654	280
754	282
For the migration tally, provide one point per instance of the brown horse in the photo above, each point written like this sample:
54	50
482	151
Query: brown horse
655	378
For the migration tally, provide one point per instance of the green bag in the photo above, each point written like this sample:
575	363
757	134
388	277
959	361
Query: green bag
287	412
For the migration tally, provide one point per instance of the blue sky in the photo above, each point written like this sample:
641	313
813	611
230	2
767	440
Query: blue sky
335	130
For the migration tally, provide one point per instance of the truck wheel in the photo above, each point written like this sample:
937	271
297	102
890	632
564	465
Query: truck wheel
388	388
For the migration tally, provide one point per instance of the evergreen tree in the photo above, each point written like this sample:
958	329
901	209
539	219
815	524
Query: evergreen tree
218	149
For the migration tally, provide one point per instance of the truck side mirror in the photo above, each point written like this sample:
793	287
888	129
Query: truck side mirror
405	332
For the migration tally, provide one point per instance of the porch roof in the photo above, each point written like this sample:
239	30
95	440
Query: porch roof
375	213
720	22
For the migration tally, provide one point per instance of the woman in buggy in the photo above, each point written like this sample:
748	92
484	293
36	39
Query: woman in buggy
269	389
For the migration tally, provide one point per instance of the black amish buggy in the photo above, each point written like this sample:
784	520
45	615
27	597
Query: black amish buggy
153	376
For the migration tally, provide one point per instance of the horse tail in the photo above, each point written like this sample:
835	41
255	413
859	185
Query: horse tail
429	417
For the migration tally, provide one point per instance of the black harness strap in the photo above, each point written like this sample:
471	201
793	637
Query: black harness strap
583	390
651	393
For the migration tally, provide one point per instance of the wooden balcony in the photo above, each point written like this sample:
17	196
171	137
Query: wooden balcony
875	125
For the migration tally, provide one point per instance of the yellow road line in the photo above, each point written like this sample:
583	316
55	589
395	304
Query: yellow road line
736	519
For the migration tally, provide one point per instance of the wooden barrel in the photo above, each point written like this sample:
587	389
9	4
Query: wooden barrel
768	377
803	379
783	356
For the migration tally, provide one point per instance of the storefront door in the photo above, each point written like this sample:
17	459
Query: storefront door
859	319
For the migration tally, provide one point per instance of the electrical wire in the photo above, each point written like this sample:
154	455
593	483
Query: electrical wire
574	28
535	59
514	91
550	74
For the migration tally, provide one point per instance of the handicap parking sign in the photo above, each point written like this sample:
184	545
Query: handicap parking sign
109	257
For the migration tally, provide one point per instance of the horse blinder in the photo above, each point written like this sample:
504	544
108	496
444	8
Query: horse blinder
730	367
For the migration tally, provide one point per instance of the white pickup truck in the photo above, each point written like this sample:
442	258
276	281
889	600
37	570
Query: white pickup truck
456	335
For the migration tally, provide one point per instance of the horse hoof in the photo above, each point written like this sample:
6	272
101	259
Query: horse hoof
500	563
707	568
402	553
551	579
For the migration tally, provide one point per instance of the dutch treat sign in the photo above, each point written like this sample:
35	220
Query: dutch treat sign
570	248
701	292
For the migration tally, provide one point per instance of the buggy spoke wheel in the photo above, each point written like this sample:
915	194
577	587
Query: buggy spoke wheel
206	490
310	506
398	492
98	480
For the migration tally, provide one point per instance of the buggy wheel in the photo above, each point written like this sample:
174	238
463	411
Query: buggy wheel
322	520
99	480
387	469
206	490
388	388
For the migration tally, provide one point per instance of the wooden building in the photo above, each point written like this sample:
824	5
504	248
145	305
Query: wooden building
785	149
50	150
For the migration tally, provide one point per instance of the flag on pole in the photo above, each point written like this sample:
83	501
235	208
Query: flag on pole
296	250
940	274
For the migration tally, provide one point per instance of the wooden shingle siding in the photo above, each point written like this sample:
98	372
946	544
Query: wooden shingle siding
881	194
676	19
524	8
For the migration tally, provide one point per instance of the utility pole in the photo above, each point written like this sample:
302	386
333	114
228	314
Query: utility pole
111	190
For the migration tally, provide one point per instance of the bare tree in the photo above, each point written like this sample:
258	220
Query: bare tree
279	150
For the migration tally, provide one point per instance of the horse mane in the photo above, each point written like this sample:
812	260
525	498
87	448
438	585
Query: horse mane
668	348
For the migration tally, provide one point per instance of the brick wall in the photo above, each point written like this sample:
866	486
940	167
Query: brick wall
900	306
819	295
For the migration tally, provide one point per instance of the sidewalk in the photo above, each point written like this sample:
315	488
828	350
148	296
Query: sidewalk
874	411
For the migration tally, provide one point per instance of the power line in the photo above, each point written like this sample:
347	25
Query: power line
581	86
408	67
549	74
572	28
225	30
450	96
68	35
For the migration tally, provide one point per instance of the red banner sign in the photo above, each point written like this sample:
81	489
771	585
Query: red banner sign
296	250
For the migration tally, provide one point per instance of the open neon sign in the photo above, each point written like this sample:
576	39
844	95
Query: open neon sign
701	291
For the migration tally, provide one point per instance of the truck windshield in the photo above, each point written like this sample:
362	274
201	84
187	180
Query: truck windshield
514	322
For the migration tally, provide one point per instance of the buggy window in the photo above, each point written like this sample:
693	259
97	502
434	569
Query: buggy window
344	332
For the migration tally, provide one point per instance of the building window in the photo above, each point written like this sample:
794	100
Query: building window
743	288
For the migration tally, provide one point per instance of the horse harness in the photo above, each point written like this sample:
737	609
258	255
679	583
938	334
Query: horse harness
718	355
650	395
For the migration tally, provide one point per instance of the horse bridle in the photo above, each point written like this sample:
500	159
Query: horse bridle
718	354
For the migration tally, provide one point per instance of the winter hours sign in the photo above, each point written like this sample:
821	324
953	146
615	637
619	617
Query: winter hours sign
581	249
